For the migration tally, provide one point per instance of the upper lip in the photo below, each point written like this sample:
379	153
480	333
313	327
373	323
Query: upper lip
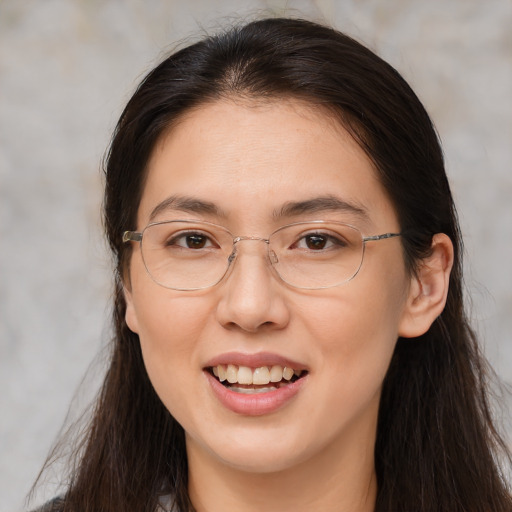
254	360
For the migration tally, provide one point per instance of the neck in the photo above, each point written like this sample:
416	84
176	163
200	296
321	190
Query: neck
341	478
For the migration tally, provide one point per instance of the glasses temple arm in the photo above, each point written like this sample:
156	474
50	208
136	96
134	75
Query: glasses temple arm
380	237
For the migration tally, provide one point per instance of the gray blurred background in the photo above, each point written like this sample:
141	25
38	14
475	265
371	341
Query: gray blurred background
66	69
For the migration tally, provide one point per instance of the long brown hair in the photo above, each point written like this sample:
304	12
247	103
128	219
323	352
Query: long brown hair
437	446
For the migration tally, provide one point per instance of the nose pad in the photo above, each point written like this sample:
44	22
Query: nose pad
271	257
251	300
232	256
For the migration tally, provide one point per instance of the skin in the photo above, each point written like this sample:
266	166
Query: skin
316	452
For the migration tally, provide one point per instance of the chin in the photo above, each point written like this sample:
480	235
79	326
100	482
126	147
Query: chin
254	452
263	461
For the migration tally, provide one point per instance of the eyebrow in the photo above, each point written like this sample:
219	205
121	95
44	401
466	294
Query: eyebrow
186	204
321	204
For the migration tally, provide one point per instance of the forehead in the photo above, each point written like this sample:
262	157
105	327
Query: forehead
250	160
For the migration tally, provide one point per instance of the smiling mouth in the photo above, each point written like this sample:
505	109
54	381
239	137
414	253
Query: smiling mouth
246	380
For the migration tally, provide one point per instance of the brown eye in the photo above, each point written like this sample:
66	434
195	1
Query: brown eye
315	242
190	241
319	242
196	241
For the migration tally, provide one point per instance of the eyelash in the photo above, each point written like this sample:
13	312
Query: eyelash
206	241
334	240
173	241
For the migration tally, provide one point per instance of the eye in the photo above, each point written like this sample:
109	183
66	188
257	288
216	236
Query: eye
190	240
319	242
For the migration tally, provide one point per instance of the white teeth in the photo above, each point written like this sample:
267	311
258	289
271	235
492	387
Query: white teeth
244	375
257	376
222	372
232	373
251	391
287	373
276	373
260	376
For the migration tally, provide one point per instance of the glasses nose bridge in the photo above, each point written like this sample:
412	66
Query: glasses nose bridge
250	238
238	239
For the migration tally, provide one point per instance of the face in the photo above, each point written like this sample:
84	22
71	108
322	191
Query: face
240	164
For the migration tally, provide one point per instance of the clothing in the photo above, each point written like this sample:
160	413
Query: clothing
52	506
56	505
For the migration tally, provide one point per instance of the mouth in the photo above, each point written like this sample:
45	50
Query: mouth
249	381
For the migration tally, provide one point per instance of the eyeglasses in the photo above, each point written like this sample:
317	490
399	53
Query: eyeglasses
191	255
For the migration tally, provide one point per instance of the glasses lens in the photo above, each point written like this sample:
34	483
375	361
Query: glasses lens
186	255
317	255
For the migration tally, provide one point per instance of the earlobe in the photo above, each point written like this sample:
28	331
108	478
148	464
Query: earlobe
130	315
428	290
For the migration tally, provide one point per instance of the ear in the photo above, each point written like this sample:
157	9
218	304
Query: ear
428	289
130	315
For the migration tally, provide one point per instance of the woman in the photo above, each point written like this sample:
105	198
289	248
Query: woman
290	330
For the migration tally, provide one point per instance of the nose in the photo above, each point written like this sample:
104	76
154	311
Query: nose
252	299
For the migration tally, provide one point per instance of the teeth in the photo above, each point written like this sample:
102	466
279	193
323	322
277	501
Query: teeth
244	375
232	373
276	373
252	391
258	376
222	373
287	373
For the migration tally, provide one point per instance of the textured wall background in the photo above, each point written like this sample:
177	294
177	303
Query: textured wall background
66	69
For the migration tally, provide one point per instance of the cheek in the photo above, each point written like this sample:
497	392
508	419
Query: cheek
166	321
356	328
169	330
167	325
351	332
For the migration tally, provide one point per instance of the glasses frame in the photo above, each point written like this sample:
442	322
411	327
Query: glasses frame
137	236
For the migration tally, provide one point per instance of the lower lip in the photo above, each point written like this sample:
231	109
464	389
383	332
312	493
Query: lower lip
258	403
